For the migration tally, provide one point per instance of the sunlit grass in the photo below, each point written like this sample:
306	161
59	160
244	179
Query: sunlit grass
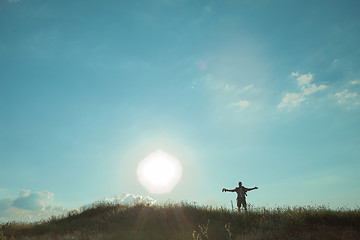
190	221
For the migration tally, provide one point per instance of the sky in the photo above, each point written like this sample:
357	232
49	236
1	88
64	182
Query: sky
263	92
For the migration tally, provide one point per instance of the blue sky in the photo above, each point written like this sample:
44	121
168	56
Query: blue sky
263	92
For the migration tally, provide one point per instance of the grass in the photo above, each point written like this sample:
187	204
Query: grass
189	221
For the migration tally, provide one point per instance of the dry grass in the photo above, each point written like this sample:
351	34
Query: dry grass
189	221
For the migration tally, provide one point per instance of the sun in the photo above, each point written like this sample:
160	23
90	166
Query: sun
159	172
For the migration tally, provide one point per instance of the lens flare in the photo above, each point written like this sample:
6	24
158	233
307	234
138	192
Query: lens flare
159	172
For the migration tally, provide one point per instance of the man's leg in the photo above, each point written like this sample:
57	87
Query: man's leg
244	204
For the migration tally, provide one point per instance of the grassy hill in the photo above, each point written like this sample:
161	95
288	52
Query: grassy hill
189	221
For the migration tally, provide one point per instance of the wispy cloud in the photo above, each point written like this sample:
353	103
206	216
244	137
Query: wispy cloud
202	65
240	104
355	82
248	87
325	180
233	96
291	100
208	9
29	206
347	97
220	85
208	80
229	87
306	88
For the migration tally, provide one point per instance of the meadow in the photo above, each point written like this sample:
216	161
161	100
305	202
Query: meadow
189	221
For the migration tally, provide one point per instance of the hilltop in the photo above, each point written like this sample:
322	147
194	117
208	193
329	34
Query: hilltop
189	221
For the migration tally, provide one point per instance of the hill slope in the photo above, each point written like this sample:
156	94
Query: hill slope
188	221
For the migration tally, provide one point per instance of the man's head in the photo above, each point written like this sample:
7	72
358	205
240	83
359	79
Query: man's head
240	184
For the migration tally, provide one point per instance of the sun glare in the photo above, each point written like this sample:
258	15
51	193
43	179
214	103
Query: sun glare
159	172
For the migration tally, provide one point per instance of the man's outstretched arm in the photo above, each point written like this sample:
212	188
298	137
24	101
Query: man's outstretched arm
249	189
228	190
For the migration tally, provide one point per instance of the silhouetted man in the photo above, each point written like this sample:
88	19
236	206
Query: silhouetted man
241	193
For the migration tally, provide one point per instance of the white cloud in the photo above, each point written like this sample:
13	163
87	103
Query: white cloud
130	199
307	88
355	82
346	97
29	206
14	1
349	95
305	79
35	206
32	201
312	88
241	104
295	74
291	100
